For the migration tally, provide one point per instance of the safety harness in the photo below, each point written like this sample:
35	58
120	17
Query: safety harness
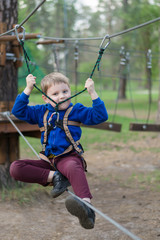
63	124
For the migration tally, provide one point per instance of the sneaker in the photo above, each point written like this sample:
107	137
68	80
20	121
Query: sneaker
85	214
60	184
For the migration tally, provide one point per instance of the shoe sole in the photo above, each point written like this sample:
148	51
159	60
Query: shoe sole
76	208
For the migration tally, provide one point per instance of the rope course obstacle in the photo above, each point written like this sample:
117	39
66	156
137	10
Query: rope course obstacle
106	125
21	39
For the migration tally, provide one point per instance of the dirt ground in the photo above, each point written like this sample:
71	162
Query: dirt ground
117	193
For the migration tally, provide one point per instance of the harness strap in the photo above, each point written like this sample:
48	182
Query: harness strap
67	132
45	129
70	123
51	158
74	145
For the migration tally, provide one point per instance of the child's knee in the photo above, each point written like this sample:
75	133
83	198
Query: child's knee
15	170
73	166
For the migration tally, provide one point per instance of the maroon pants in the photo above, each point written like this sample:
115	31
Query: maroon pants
37	171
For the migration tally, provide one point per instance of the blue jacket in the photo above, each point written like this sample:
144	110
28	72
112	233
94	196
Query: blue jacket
57	142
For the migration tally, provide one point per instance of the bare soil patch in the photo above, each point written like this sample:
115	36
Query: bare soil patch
112	175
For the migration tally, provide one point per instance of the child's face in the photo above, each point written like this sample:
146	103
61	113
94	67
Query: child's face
58	92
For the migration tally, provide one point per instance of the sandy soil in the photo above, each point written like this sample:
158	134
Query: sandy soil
117	193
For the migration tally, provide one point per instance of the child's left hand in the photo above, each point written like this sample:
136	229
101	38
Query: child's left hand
90	88
89	85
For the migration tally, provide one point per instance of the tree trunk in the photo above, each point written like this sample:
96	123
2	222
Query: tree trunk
158	110
9	143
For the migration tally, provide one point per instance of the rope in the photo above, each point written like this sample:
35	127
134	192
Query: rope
25	20
106	217
6	114
97	64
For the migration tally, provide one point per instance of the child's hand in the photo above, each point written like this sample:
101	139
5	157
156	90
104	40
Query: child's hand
30	81
90	88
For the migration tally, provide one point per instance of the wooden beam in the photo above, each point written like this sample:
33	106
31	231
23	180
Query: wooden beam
144	127
7	127
33	130
9	38
45	42
105	126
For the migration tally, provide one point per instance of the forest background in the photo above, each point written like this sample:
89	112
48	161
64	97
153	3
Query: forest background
72	19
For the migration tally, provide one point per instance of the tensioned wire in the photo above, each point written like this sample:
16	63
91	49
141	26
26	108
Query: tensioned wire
110	36
127	232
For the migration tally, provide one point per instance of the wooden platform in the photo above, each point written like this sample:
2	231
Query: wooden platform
33	130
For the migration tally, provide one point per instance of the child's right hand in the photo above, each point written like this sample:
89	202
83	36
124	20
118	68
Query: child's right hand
30	81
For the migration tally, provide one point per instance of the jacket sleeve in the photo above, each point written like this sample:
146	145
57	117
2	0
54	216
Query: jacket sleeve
93	115
22	111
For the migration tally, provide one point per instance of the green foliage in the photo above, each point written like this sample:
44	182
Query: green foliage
64	19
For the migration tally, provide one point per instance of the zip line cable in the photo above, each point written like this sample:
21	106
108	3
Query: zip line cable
106	217
109	36
131	235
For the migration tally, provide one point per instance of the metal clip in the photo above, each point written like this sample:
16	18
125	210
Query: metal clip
16	32
105	37
49	121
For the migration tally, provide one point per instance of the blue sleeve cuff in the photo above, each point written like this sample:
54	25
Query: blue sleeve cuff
25	96
97	101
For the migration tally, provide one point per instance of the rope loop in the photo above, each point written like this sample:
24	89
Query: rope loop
101	51
27	59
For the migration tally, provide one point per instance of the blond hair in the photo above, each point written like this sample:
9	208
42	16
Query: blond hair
53	78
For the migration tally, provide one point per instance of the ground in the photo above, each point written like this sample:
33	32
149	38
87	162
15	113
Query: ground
117	180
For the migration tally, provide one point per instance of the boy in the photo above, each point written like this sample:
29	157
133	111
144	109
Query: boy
61	149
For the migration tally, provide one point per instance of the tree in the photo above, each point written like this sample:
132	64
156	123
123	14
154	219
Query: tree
8	92
56	19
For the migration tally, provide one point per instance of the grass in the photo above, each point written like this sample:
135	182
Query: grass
151	180
22	193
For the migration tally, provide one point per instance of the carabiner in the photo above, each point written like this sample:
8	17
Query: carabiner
105	37
50	119
16	32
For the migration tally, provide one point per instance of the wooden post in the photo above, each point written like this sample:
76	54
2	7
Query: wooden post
17	50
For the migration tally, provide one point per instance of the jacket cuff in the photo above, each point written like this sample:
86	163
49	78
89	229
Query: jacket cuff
24	97
97	101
